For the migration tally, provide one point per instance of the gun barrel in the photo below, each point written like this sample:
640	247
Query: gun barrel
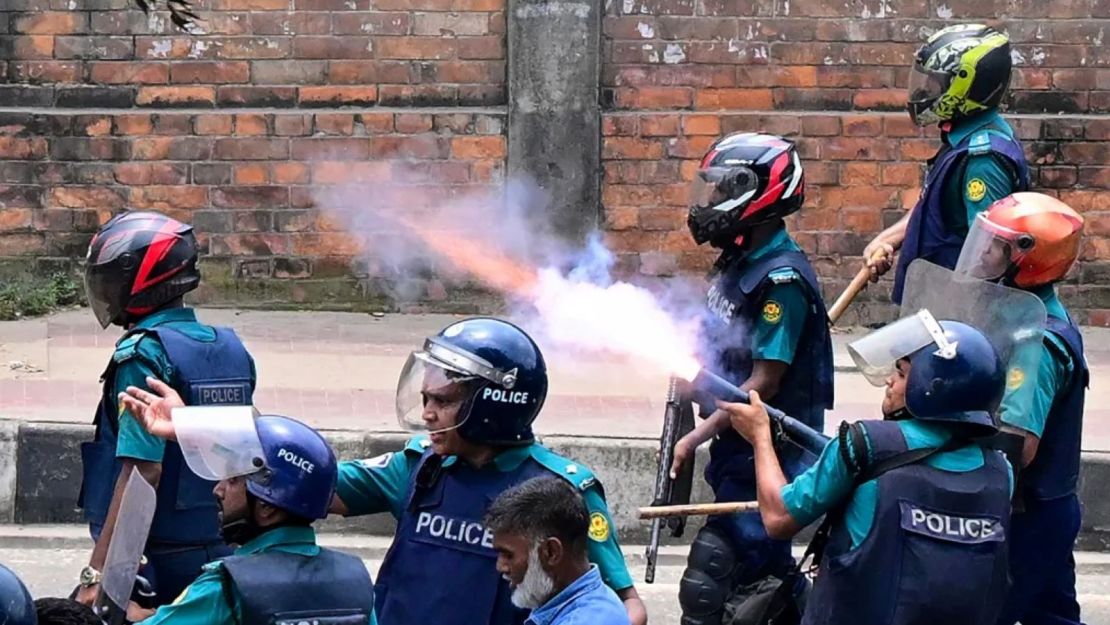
799	433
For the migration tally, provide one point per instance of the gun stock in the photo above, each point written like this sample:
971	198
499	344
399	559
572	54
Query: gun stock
678	420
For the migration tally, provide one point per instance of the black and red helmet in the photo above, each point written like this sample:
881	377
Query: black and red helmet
138	262
745	180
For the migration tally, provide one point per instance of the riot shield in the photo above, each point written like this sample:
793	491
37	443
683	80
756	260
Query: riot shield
125	551
1013	320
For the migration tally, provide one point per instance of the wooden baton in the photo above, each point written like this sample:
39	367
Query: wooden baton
854	287
698	509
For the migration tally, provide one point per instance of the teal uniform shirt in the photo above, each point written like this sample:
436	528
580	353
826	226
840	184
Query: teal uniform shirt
829	482
204	602
1054	371
784	306
140	356
381	484
985	176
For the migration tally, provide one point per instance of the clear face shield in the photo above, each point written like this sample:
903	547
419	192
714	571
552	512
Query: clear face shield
219	442
440	380
925	88
878	353
714	186
990	251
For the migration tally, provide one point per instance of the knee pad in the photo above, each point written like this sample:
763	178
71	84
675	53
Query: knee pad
712	553
707	581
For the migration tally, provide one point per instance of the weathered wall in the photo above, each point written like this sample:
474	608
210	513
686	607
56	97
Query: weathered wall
101	108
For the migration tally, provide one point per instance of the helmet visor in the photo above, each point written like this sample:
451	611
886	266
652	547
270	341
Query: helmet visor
219	442
990	251
104	292
877	354
723	188
431	394
925	86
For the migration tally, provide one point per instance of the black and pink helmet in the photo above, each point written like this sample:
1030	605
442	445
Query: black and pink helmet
745	179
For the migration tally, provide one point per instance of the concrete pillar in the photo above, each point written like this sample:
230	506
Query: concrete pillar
554	115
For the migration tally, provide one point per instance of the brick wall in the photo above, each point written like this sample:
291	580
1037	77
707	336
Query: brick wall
102	107
826	72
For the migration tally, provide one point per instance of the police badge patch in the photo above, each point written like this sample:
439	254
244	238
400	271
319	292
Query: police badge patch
976	189
772	311
599	527
1015	378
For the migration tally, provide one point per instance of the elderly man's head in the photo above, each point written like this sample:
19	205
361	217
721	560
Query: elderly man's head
539	532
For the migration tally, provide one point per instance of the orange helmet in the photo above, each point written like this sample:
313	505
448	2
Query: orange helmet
1025	239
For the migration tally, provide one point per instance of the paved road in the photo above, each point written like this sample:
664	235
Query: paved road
49	557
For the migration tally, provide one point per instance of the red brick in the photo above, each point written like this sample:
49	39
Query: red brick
393	23
250	124
176	96
481	48
129	72
333	48
900	126
50	23
163	197
245	149
859	174
918	150
292	125
92	126
330	149
701	125
22	149
631	148
735	99
857	77
13	219
28	47
420	146
133	173
620	125
337	96
249	5
133	124
85	197
290	173
850	148
367	72
213	124
324	244
880	99
862	125
160	48
335	123
820	126
300	23
659	125
425	48
251	174
412	123
488	147
45	71
690	147
210	72
861	220
375	123
902	174
346	172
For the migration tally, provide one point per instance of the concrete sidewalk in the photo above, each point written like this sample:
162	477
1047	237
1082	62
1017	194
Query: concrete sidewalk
339	371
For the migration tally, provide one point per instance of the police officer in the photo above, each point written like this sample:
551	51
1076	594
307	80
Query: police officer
16	606
765	329
139	266
960	77
475	388
1030	241
277	476
917	508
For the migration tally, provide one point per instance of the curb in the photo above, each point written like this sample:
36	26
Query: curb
40	476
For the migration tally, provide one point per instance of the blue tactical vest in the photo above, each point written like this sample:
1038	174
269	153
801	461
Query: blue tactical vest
1054	472
927	236
278	588
936	552
205	374
733	306
441	567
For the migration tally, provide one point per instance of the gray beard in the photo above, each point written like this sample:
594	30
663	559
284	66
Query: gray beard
537	587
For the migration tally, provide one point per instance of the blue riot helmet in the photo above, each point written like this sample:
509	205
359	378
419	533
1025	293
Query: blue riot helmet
16	606
496	369
955	375
287	464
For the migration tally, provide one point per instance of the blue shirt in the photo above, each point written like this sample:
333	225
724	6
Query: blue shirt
587	601
783	309
829	482
985	177
1026	407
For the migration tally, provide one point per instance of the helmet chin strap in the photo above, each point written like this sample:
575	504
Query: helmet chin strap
901	414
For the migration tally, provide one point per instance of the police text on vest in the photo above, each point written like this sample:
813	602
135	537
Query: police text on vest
457	530
950	527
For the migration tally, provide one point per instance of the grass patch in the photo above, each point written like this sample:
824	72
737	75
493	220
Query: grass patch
28	295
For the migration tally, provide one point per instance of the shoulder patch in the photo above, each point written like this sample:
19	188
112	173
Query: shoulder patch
580	476
127	347
599	527
1015	377
783	276
417	445
377	462
980	143
772	311
976	189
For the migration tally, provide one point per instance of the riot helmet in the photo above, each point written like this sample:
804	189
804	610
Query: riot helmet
16	606
960	71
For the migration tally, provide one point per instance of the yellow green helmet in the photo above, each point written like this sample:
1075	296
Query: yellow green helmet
960	71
